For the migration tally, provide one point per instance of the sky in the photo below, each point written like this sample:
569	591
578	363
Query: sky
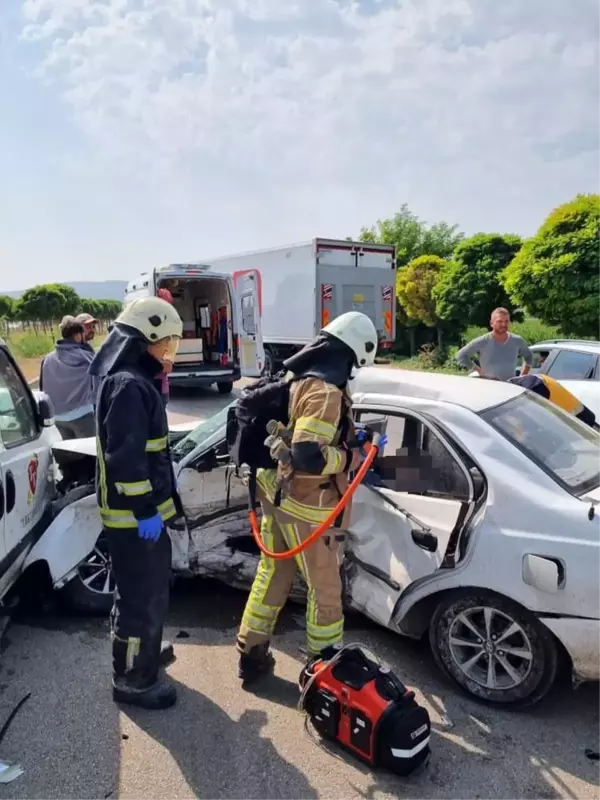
135	133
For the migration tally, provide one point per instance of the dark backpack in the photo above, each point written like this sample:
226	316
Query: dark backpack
266	399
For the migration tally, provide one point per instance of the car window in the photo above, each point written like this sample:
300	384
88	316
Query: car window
208	432
539	357
571	365
18	420
563	447
415	459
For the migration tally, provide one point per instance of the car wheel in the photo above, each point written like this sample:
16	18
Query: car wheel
225	388
493	649
92	588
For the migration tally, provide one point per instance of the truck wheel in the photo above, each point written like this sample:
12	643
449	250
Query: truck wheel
494	649
91	590
225	388
269	367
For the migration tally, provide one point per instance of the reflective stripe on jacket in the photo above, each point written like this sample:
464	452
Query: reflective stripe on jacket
319	416
134	474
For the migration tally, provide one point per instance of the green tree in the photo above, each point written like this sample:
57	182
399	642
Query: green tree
414	287
72	301
469	286
109	309
90	305
44	303
555	274
7	306
412	236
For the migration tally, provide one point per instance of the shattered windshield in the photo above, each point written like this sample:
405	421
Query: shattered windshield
557	442
206	432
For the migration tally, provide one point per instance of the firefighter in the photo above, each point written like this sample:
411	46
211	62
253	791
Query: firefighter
137	494
321	425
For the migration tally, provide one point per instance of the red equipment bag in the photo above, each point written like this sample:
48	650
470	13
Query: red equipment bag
358	702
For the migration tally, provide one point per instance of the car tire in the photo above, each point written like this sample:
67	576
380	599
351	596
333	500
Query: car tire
522	671
91	590
225	388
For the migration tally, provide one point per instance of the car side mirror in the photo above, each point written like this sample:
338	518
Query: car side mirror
45	409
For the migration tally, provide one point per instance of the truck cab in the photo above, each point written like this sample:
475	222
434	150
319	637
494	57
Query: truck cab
222	338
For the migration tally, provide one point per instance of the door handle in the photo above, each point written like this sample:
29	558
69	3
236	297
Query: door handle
10	492
425	540
1	500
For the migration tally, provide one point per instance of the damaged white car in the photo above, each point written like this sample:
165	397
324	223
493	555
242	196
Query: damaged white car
477	526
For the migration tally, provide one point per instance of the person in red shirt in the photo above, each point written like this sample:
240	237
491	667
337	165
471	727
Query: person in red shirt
165	294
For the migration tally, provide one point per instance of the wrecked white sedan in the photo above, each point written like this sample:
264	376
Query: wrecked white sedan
476	526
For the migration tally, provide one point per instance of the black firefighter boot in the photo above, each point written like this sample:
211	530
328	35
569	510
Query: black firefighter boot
141	685
258	661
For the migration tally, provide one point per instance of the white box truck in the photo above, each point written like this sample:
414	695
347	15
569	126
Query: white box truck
304	286
245	314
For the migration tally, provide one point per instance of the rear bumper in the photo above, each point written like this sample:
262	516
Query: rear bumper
204	376
581	640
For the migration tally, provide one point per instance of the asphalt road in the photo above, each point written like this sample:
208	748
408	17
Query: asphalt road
187	405
223	742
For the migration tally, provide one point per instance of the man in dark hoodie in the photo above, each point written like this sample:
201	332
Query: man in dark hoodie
321	424
137	494
65	379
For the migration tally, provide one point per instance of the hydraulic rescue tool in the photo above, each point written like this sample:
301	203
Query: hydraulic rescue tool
353	699
371	449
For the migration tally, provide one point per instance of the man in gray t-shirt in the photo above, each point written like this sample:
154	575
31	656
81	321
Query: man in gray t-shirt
497	351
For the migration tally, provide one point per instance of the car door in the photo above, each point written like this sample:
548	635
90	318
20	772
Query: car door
251	349
25	469
578	372
409	513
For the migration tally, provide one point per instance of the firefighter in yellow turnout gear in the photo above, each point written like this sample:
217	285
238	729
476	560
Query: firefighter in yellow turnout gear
313	480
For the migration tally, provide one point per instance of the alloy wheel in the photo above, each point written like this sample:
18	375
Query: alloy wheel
490	647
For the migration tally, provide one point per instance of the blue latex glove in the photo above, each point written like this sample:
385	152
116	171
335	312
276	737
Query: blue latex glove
382	442
150	528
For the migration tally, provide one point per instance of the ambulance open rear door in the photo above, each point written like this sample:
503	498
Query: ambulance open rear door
250	344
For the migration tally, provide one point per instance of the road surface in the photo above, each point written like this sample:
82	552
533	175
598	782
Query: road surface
223	742
189	405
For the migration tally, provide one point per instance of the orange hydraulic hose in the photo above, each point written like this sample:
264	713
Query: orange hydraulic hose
320	529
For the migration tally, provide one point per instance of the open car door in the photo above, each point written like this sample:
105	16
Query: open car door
408	516
251	349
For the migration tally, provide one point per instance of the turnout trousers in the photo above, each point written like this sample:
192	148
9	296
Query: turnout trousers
142	571
320	568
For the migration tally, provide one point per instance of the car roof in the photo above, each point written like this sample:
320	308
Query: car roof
579	345
476	394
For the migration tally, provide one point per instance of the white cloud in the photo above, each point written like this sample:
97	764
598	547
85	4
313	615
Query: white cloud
320	115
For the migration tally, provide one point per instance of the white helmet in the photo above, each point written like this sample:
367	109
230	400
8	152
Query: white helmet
154	318
358	332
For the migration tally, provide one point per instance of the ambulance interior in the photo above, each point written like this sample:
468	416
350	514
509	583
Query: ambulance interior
205	307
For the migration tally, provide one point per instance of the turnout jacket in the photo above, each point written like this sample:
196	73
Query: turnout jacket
321	424
134	473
